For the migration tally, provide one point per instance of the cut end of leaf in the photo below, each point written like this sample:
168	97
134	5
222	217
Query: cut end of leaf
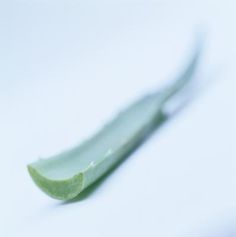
66	189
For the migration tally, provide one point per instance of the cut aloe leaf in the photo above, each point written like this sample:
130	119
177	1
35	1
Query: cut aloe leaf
65	175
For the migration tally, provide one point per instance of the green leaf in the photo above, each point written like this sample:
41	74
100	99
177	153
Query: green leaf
65	175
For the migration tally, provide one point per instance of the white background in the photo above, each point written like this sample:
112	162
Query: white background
66	67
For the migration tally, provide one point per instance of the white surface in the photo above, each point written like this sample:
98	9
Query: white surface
67	66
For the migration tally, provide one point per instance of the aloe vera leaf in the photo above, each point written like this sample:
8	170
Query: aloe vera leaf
67	174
